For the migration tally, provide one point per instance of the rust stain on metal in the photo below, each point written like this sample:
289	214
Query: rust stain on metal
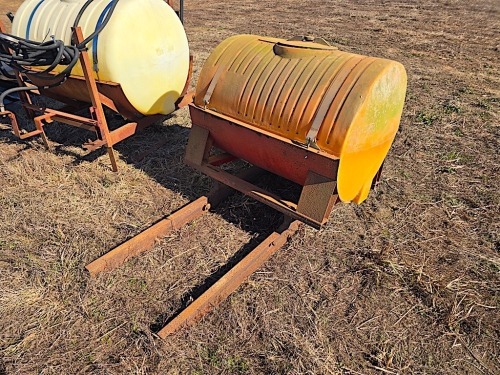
313	169
145	240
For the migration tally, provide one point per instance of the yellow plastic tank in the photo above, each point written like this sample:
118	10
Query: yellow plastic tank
345	104
144	47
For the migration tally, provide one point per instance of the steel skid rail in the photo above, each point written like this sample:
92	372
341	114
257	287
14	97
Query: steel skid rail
77	92
228	283
314	206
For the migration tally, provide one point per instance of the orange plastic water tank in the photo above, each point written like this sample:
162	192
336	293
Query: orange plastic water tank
344	104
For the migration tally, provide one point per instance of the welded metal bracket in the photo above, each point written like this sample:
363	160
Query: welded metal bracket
318	197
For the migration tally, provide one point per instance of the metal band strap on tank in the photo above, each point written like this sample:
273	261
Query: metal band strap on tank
96	39
30	19
213	83
327	101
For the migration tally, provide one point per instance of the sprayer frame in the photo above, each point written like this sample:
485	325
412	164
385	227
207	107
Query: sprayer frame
97	122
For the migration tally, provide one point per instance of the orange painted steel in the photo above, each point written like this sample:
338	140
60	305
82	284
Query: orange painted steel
269	151
318	191
228	283
346	105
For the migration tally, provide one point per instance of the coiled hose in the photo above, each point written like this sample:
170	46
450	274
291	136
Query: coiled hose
22	55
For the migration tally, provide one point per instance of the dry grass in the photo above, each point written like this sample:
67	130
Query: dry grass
406	283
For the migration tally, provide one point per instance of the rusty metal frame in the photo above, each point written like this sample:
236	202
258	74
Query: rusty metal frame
97	122
318	191
228	283
314	206
145	240
317	199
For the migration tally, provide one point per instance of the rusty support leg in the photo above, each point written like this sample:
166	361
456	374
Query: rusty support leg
112	158
232	280
13	123
25	97
97	108
198	147
17	130
39	126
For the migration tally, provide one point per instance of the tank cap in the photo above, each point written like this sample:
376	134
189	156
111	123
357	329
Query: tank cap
310	39
297	46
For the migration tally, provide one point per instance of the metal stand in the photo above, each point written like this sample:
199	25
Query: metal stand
99	94
318	191
314	170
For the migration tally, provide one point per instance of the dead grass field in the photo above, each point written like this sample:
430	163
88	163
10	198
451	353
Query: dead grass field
406	283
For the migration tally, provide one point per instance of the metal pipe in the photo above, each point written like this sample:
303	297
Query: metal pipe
181	11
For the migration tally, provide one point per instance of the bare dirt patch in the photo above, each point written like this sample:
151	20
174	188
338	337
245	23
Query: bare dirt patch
408	282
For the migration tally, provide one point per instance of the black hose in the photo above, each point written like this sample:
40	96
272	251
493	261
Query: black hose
22	54
181	11
6	71
8	92
80	13
88	39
